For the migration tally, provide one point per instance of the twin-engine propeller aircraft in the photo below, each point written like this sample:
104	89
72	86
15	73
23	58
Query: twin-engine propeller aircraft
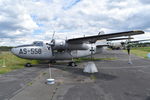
66	49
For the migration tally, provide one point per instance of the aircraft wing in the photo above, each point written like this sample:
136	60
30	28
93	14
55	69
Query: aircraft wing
93	39
115	39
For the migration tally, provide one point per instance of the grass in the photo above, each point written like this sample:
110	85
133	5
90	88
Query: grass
93	59
140	51
146	49
4	70
92	77
12	62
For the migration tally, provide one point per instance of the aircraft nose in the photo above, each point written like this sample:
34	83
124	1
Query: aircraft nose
13	50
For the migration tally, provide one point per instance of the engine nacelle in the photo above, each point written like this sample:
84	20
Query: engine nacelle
62	44
59	44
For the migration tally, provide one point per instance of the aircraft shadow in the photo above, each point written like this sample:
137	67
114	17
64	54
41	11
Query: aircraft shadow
148	98
79	71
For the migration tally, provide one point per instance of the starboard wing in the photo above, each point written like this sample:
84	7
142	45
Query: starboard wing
93	39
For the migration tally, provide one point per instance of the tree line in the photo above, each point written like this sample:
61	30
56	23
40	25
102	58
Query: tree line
5	48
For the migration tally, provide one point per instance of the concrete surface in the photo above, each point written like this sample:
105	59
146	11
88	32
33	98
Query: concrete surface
116	80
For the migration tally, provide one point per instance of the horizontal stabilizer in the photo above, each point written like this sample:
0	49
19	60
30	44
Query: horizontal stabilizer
102	45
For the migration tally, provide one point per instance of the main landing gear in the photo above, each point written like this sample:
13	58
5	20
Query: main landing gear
52	61
28	65
72	64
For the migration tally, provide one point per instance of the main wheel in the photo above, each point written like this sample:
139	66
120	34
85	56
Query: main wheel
28	65
53	61
73	64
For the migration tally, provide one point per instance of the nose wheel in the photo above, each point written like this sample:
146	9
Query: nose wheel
28	65
72	64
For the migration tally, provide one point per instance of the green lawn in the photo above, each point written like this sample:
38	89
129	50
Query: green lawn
93	59
12	62
141	51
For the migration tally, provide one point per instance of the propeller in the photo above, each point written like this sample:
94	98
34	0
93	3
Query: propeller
52	43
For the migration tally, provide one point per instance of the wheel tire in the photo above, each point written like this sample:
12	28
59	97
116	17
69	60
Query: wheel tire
70	64
73	64
28	65
53	61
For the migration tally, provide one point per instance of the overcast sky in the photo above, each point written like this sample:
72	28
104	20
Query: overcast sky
25	21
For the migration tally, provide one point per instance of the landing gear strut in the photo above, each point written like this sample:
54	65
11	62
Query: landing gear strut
28	65
52	61
72	63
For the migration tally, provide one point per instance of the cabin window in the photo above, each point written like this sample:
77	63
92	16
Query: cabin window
38	43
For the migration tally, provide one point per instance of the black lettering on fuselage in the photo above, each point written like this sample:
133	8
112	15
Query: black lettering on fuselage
24	51
39	51
21	51
35	51
30	51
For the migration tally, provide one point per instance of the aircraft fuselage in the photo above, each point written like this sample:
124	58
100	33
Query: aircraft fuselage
58	52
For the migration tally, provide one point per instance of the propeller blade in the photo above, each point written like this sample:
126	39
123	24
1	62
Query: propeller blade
52	43
53	35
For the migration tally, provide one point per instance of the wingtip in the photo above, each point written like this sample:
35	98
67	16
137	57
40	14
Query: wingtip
138	31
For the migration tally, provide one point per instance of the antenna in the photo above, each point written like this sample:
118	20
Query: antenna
101	32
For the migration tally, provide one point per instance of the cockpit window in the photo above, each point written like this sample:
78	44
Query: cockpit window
38	43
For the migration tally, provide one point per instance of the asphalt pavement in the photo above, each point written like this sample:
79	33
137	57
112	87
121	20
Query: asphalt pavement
116	80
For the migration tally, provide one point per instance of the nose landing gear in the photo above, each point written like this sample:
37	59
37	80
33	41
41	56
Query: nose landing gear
28	65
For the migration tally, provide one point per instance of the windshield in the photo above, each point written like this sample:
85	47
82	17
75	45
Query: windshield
38	43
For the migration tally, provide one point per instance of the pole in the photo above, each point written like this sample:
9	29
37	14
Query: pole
92	49
4	65
128	49
50	80
50	72
130	62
